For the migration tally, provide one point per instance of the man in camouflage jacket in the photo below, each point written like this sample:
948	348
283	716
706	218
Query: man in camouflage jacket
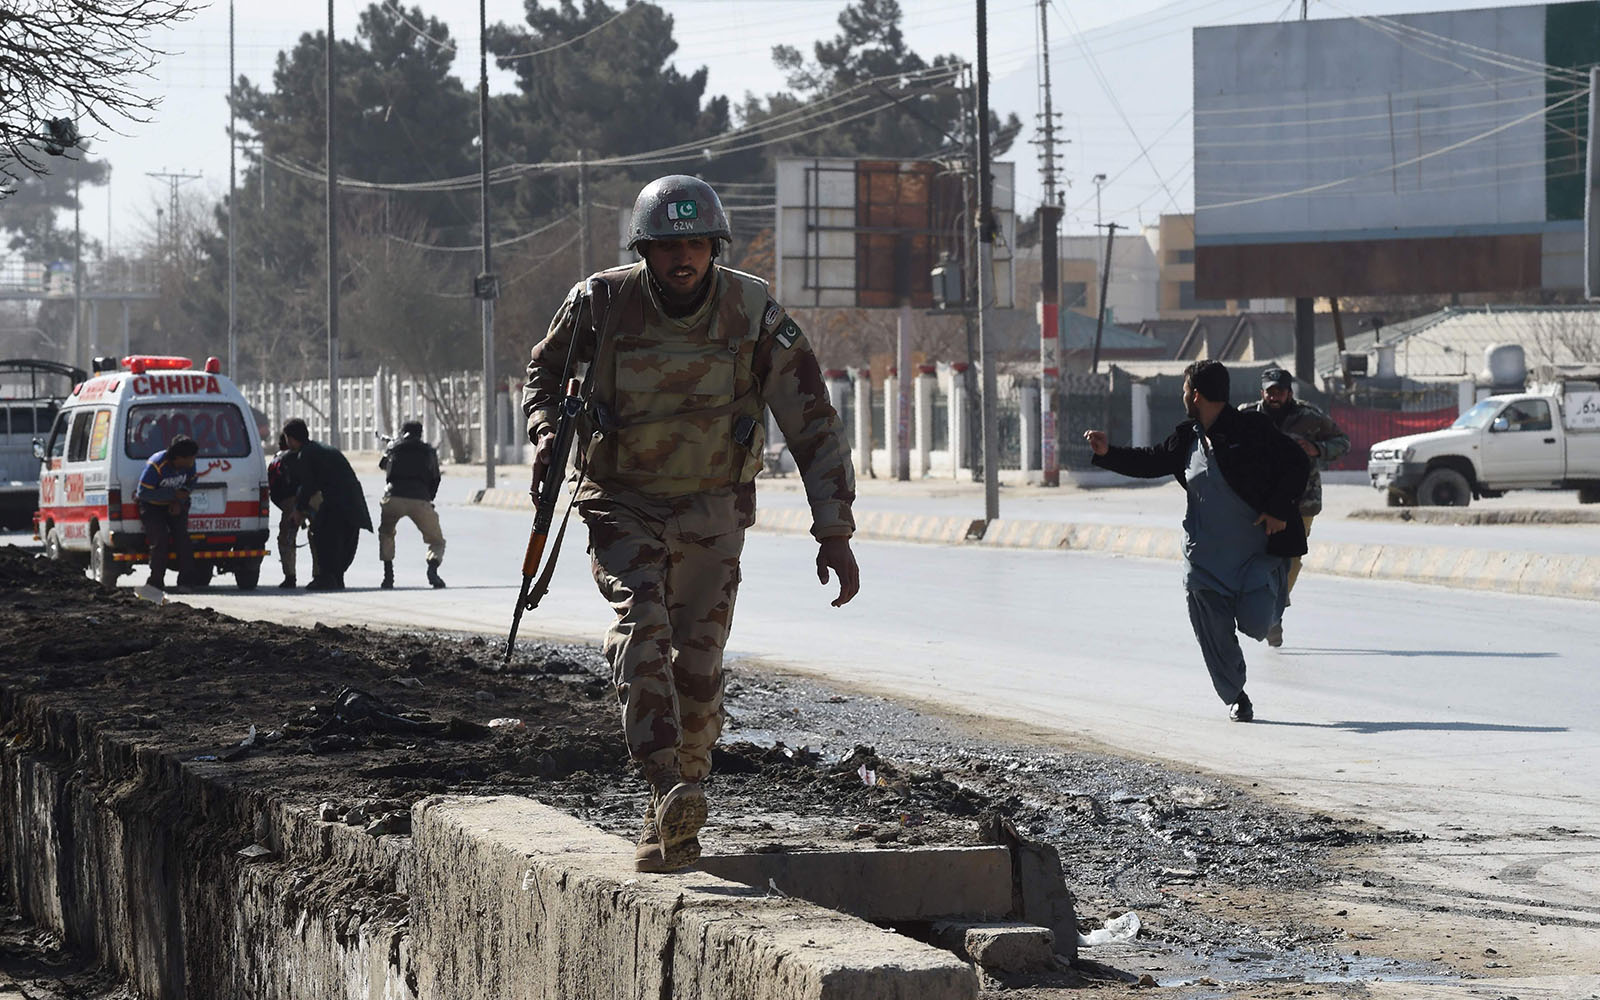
687	357
1318	436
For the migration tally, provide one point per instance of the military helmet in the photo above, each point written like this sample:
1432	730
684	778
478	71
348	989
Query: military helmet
677	207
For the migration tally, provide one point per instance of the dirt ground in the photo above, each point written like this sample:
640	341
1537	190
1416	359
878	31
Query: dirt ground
1232	890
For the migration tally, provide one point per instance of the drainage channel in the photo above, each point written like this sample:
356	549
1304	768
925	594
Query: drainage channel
188	882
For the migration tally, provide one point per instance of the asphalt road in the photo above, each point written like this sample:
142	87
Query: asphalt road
1461	715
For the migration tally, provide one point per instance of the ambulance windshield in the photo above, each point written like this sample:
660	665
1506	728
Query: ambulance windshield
218	428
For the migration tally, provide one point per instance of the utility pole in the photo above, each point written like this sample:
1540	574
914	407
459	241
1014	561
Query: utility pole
1050	274
77	255
487	288
985	224
1105	280
175	180
233	201
583	217
333	247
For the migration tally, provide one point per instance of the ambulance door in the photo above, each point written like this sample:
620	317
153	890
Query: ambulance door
50	471
77	476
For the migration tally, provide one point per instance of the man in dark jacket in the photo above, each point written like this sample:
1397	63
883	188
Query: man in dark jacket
1242	525
331	500
283	482
412	465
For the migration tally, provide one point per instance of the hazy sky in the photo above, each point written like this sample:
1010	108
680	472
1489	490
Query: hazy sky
1136	50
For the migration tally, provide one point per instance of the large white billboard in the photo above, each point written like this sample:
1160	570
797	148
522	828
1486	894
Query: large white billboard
1364	155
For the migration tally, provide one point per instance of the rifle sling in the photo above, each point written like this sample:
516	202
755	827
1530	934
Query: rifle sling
605	327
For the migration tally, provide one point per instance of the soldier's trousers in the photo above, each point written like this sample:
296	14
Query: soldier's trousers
288	534
674	598
422	514
1294	564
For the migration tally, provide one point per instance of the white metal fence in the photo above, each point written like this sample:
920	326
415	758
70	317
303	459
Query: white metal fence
450	408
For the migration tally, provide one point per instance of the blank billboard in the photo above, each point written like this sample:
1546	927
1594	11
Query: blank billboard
1424	153
867	233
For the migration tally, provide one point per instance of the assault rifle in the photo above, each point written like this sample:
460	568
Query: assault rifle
547	490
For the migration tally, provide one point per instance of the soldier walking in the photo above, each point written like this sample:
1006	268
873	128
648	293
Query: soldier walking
1318	436
412	467
687	355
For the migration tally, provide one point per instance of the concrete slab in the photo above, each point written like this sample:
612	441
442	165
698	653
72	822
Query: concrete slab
525	901
999	947
883	886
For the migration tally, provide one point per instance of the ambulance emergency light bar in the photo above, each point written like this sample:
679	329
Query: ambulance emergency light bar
138	364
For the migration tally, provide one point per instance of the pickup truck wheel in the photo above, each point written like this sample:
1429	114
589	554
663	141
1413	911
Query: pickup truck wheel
1444	487
1395	498
1589	494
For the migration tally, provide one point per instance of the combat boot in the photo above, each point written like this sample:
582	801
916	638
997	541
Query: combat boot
651	855
288	582
433	575
388	575
680	814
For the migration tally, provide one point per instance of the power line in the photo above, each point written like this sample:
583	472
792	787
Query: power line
710	147
476	247
1111	95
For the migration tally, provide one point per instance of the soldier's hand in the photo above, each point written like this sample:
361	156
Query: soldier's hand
1098	443
1310	447
541	455
1273	524
834	553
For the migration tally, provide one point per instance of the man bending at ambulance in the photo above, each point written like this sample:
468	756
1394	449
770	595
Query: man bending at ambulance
163	497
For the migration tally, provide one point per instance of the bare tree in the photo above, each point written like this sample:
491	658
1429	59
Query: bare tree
64	60
1565	337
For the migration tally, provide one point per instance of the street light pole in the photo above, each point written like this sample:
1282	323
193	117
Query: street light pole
1099	264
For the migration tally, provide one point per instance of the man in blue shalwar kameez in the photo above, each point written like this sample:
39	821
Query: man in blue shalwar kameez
1242	524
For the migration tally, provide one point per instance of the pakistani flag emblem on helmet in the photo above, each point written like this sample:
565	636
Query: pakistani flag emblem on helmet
677	207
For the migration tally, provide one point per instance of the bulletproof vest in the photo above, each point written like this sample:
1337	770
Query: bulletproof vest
677	411
411	465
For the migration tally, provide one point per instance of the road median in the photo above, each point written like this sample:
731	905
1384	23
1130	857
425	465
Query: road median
1536	573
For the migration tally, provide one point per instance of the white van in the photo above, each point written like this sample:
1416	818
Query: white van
103	436
30	394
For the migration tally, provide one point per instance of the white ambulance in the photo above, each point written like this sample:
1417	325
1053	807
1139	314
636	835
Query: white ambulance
102	438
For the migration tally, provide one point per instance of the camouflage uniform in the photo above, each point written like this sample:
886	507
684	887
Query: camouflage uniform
1304	422
669	490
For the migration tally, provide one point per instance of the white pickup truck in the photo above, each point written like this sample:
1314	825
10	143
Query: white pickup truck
1526	441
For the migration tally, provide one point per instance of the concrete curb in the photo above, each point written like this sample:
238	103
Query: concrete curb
1461	515
1536	573
525	901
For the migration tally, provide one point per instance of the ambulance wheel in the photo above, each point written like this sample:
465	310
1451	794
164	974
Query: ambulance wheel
200	578
247	574
52	545
103	569
56	550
